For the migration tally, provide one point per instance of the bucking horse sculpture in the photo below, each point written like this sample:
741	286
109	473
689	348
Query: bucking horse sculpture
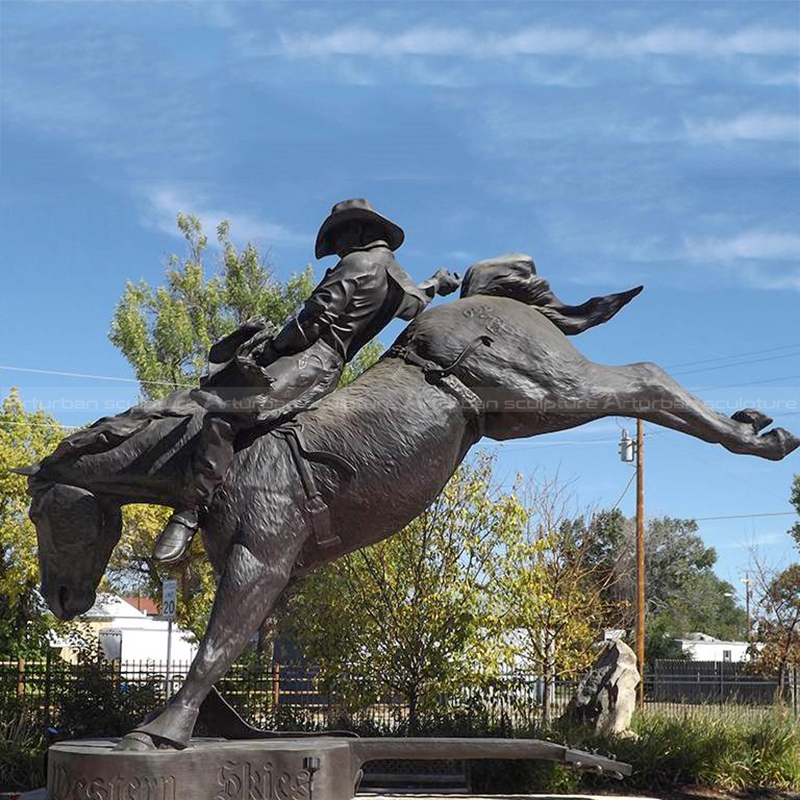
352	470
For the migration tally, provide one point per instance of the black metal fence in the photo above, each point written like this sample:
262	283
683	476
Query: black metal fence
703	682
285	696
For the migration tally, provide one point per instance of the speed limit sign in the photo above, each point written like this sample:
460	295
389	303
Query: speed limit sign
169	603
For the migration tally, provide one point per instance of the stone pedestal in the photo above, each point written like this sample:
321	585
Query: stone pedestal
313	768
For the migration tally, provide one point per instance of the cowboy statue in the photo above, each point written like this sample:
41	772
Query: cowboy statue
259	376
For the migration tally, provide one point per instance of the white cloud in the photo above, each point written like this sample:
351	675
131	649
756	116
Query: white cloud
703	43
164	202
777	282
760	245
756	73
760	126
359	40
761	259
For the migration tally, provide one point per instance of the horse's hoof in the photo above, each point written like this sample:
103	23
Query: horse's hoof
781	441
136	742
752	416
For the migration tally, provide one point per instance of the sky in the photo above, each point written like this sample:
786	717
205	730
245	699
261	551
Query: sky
616	142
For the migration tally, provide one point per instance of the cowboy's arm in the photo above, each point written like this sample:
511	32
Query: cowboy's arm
327	302
442	282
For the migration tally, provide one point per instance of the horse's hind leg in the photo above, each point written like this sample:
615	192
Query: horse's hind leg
249	588
645	390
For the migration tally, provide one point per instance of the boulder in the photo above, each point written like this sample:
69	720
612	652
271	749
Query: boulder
606	697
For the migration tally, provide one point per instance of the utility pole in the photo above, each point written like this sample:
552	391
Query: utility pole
746	581
640	588
628	450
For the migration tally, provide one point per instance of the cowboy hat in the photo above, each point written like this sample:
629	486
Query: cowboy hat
358	210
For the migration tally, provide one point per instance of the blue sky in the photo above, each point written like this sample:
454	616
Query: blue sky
618	143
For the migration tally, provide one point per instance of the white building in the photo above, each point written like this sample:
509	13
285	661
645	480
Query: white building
128	634
702	647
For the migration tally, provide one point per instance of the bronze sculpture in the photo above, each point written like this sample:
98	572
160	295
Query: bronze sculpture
358	465
265	376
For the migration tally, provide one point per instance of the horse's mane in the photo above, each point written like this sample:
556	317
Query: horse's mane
177	414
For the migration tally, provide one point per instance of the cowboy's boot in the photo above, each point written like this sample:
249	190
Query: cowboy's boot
207	469
174	540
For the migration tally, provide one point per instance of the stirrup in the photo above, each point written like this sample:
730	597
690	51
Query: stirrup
180	518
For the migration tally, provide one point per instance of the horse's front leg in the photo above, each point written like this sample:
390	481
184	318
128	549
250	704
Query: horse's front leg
646	391
249	588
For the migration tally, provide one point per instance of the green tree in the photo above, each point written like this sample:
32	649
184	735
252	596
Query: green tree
795	501
777	608
411	613
133	570
551	586
684	594
165	332
778	620
25	438
602	540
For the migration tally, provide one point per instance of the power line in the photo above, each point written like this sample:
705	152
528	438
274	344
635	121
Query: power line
95	377
735	355
737	364
751	383
749	516
624	492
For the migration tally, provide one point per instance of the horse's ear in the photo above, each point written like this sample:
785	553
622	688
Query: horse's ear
30	471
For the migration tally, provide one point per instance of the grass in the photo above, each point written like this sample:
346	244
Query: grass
758	756
724	754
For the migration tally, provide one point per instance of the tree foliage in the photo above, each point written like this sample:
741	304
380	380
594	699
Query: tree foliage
165	332
683	593
777	610
412	613
795	501
778	620
25	438
134	571
551	586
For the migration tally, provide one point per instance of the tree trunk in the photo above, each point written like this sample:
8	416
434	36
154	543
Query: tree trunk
413	701
546	683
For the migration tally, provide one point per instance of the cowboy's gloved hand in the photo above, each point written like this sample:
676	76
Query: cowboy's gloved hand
447	282
265	353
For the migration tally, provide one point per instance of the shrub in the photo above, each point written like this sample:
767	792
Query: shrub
21	749
101	702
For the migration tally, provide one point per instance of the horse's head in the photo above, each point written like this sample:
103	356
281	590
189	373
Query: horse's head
76	533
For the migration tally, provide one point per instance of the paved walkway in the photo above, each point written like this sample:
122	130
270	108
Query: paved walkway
41	795
448	796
